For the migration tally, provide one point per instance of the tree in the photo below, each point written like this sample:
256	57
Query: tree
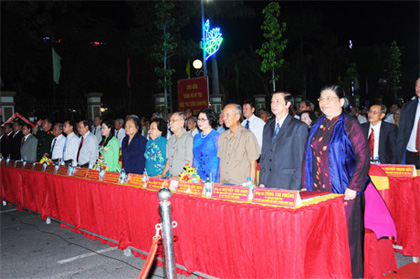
394	72
271	50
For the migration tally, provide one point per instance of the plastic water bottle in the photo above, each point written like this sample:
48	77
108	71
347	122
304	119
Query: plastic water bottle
123	176
250	184
70	170
56	167
24	161
101	174
8	160
44	166
194	178
208	188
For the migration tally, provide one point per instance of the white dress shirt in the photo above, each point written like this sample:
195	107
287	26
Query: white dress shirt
376	132
96	131
193	133
58	143
71	147
89	152
120	134
411	146
256	125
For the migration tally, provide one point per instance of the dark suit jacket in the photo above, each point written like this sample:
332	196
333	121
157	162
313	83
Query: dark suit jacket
408	113
17	141
7	145
387	141
28	150
281	158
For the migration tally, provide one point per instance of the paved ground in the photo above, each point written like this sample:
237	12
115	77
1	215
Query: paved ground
32	249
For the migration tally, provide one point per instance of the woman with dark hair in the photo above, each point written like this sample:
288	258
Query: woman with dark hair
133	147
109	147
337	160
155	154
206	145
308	117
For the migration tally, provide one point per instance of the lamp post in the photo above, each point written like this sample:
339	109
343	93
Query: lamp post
203	41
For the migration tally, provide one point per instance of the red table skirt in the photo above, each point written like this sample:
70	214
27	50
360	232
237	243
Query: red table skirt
379	256
222	239
403	201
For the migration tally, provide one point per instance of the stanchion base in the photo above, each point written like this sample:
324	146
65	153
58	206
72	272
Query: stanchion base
4	203
415	259
48	221
127	252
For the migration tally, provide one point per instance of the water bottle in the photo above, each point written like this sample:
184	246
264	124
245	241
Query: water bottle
208	188
123	177
56	167
24	162
70	170
250	184
145	178
44	166
8	160
194	178
101	174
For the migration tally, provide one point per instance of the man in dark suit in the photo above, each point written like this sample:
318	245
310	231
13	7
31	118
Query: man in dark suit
381	135
7	141
283	146
16	140
409	131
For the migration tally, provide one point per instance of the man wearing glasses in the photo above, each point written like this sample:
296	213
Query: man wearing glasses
178	148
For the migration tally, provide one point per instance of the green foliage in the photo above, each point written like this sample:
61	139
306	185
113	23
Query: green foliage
164	22
271	50
394	64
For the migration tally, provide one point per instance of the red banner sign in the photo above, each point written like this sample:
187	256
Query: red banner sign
275	197
399	170
135	179
63	170
189	188
92	174
230	193
192	94
112	177
80	172
157	184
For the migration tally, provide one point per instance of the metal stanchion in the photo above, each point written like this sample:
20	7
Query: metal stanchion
166	221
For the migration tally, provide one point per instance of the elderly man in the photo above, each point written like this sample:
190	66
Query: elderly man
265	116
71	143
119	130
28	144
57	144
283	146
44	137
251	122
238	149
409	131
178	148
88	151
96	130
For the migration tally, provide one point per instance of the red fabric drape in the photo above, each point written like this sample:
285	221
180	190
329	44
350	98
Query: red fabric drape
379	256
223	239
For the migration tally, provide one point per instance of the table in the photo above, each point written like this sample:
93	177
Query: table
219	238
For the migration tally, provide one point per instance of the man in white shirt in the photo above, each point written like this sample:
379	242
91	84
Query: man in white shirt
96	130
71	143
252	122
119	130
88	151
57	143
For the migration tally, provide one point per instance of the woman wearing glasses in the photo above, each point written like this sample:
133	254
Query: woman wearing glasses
206	145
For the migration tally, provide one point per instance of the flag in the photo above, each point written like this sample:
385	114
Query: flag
128	72
56	60
188	68
237	75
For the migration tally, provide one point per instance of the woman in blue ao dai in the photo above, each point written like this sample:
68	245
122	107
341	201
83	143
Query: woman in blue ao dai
206	145
155	153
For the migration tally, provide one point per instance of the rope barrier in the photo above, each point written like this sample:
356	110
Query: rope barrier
152	253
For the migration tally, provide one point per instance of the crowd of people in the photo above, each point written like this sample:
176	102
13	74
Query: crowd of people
329	150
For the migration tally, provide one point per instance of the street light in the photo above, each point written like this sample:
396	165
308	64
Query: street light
198	66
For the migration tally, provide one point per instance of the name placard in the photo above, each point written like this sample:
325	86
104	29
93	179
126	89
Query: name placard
38	167
135	179
111	177
80	172
19	164
3	162
50	169
189	188
398	170
230	193
29	166
92	174
62	170
157	184
276	197
11	163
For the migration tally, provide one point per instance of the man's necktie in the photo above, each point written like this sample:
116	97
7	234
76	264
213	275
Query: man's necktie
117	134
276	131
94	131
418	136
371	143
23	141
80	147
52	148
247	125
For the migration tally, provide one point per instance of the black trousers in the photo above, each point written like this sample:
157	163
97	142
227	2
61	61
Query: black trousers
412	158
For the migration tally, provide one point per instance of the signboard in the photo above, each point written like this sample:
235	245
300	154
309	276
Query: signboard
80	172
189	188
135	179
193	94
276	197
19	164
92	174
38	167
50	169
29	166
399	170
230	193
63	170
157	184
111	177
